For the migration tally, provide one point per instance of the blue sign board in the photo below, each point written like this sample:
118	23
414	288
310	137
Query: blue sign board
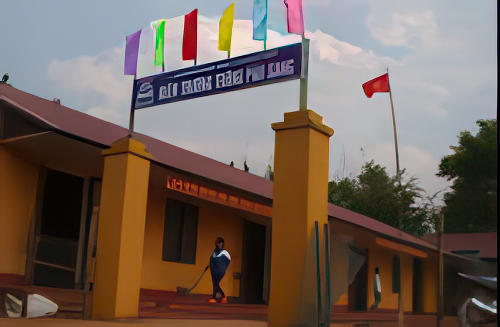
260	68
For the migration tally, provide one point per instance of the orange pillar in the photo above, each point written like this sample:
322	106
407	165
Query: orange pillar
120	237
300	197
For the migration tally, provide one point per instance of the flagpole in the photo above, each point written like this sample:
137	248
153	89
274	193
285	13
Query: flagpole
440	231
303	74
394	125
265	36
132	109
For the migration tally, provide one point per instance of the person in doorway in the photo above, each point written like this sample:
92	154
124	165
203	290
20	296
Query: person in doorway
219	261
377	290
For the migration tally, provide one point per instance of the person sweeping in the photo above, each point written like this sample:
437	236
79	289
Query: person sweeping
219	261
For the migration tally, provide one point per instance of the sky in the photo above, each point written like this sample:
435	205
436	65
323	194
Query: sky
441	56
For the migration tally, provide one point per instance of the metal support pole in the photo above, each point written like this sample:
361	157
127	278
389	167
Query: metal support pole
304	74
326	241
132	109
394	125
400	295
318	275
440	303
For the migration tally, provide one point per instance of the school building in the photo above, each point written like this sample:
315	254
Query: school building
89	209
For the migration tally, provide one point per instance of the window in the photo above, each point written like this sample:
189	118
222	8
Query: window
418	286
180	232
396	279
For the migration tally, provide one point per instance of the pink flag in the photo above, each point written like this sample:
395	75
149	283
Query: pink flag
294	17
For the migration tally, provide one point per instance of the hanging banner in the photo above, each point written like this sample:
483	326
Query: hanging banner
260	68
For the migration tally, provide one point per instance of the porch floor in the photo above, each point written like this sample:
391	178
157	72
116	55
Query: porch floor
170	305
158	308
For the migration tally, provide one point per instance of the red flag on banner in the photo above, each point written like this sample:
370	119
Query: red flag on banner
190	35
378	84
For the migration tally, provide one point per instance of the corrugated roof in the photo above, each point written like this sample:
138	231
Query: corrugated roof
485	243
104	133
94	130
63	118
375	225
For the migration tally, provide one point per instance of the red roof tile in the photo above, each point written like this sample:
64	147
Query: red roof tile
375	225
485	243
99	131
104	133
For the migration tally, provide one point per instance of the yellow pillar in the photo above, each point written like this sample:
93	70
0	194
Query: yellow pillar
120	237
300	197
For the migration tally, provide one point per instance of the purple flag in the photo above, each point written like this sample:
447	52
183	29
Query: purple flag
131	53
294	17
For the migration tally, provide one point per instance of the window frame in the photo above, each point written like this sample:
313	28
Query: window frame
180	232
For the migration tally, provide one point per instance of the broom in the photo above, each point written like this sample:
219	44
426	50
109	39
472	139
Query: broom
185	291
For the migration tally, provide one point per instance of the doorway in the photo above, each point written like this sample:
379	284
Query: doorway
253	263
57	231
417	286
357	293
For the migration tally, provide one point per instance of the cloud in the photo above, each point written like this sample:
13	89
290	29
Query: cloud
410	29
95	85
428	94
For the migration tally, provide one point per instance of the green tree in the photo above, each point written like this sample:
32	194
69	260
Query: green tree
471	206
375	194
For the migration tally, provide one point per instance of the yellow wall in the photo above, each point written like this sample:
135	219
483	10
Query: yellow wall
430	277
407	281
213	221
18	184
380	256
342	300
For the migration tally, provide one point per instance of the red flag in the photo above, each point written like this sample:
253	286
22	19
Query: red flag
378	84
189	40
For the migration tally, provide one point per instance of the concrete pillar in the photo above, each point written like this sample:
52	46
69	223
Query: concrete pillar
120	237
300	197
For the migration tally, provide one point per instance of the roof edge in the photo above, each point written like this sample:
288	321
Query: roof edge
22	108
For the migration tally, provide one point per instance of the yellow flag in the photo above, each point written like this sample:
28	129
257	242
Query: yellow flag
226	28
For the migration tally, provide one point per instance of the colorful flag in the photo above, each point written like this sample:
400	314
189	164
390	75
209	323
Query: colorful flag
179	34
159	27
226	28
378	84
131	53
155	48
146	55
189	39
294	16
260	20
